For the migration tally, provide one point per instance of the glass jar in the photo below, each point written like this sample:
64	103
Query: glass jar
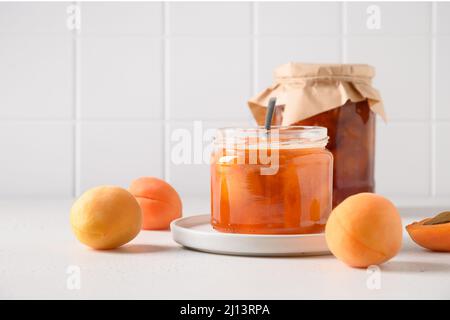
277	182
351	129
339	97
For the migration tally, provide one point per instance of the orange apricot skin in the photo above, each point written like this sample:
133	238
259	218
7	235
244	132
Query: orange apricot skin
159	202
432	237
106	217
365	229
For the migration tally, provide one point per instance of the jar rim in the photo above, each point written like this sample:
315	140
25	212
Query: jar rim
277	136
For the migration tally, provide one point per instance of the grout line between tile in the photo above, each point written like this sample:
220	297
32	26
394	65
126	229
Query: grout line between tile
136	120
343	32
77	113
433	101
166	92
433	18
121	121
254	47
263	36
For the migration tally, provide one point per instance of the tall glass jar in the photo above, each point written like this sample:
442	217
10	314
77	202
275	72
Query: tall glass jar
339	97
352	141
277	182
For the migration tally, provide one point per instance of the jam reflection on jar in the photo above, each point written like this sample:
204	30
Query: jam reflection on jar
276	183
351	129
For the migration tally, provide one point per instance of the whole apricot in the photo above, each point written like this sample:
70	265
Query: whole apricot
159	201
106	217
365	229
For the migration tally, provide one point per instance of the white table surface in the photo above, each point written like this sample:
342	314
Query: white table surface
37	247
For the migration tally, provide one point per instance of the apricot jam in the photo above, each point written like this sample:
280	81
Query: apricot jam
351	128
271	183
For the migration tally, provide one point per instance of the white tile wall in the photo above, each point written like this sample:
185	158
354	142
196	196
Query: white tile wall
118	152
99	105
36	158
209	78
122	18
33	18
36	76
273	51
209	19
188	169
301	18
442	78
402	158
442	18
402	72
442	159
120	77
396	18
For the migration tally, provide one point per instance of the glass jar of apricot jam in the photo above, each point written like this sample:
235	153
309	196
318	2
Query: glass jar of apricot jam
351	128
339	97
276	181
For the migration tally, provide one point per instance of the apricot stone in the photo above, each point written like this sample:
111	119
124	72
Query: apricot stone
365	229
159	201
106	217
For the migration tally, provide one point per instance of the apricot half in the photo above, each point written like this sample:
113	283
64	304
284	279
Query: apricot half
106	217
435	237
159	201
365	229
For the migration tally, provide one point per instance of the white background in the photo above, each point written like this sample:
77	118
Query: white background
79	108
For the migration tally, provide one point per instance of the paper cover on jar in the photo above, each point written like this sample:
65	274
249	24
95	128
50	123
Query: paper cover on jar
306	90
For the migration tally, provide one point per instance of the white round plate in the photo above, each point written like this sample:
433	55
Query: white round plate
196	233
